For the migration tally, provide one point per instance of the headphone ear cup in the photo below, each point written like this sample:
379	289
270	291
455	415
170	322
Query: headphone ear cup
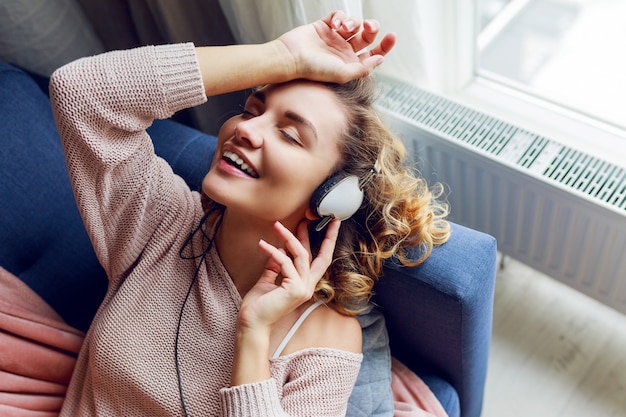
339	197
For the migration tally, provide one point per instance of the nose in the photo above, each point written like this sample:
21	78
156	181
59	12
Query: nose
250	131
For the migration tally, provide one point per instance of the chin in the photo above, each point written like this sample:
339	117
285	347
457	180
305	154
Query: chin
208	189
208	193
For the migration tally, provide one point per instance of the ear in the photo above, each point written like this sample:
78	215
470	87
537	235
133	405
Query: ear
310	215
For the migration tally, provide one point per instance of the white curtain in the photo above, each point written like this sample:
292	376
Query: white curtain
253	21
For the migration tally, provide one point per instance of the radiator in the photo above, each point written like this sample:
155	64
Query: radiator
554	208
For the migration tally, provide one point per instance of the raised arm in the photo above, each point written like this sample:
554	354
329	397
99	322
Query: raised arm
102	106
331	49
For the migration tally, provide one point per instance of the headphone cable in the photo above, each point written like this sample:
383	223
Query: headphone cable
202	261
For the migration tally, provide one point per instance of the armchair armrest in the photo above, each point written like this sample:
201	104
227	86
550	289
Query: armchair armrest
439	316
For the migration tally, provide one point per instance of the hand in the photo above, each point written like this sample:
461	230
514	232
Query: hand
330	49
268	301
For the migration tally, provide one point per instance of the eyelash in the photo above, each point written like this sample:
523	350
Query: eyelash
290	138
248	114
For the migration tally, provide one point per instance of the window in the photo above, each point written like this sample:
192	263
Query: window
569	52
538	64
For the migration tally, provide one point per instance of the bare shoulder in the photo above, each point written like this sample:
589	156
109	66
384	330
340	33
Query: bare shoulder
327	328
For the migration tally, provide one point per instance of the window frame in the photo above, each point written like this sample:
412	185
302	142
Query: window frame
464	83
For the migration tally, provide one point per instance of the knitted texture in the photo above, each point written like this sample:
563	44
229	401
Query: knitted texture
138	215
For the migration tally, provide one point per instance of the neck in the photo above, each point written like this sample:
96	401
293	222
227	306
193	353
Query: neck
237	244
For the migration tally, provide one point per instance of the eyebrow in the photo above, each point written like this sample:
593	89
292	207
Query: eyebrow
259	95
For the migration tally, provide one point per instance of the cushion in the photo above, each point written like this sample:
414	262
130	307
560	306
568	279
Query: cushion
44	240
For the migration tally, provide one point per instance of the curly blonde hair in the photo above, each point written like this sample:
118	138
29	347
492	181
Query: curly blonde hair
400	212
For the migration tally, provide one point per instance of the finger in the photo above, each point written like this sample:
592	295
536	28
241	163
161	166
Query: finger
271	264
302	233
386	44
300	254
296	286
325	256
346	26
334	19
349	28
271	270
366	36
279	261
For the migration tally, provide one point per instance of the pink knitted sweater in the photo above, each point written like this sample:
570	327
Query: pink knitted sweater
138	215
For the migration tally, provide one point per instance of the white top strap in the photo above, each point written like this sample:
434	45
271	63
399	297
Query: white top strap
295	328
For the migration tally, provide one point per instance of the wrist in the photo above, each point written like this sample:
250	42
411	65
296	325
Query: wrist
251	333
251	361
284	62
237	67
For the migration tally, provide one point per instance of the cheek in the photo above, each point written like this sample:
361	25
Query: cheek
223	135
298	179
226	131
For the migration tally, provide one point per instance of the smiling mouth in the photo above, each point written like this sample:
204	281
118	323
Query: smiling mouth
234	160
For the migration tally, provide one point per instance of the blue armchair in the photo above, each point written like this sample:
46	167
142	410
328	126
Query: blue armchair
438	315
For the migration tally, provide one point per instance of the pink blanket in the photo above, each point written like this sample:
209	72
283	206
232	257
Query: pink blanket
412	397
38	351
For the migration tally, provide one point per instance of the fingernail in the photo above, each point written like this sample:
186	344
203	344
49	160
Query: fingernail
349	25
372	23
336	23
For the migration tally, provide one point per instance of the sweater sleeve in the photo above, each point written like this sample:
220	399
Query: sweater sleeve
102	106
312	382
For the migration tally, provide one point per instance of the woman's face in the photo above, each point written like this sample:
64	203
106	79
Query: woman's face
270	158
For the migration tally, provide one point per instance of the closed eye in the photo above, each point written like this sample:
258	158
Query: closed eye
291	138
246	114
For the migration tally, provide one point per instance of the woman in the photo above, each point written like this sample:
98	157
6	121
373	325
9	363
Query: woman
204	293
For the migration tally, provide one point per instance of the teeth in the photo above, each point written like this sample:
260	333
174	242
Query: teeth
239	162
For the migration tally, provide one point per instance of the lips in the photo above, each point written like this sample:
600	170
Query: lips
236	161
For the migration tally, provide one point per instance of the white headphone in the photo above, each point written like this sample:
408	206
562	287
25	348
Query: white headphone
338	197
